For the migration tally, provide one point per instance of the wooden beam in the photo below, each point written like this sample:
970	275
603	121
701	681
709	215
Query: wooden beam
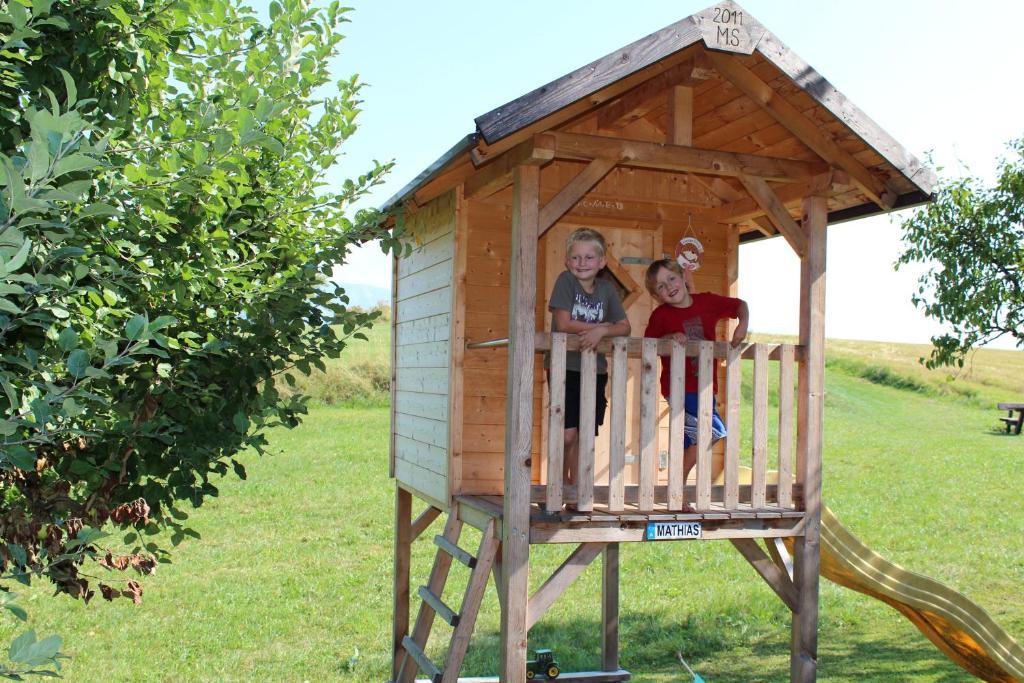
646	97
573	192
403	557
656	155
680	115
763	195
610	608
739	209
809	132
806	556
561	579
497	173
444	182
776	579
515	532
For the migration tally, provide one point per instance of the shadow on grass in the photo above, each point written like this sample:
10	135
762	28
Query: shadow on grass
722	649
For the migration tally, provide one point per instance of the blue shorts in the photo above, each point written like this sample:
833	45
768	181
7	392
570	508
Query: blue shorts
718	429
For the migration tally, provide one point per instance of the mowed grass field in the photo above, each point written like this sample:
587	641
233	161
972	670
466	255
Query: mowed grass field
291	579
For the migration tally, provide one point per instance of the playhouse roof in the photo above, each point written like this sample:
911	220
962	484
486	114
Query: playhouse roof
768	102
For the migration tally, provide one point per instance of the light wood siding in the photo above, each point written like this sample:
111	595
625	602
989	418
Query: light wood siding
423	298
481	462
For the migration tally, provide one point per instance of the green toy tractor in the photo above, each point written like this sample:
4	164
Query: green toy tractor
543	663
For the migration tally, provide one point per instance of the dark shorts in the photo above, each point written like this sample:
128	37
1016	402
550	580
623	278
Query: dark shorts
718	430
572	400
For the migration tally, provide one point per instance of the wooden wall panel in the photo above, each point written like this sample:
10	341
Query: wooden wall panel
422	314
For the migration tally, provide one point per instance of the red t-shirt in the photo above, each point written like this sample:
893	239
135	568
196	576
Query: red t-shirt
697	322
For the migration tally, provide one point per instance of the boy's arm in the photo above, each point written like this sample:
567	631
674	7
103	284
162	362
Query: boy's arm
741	329
590	333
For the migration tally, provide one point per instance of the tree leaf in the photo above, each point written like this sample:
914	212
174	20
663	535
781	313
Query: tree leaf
68	339
73	164
136	328
78	363
69	83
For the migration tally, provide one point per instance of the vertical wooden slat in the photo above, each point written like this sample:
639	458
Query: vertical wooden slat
556	422
648	422
394	364
785	489
676	423
705	394
610	608
759	433
585	458
732	423
457	350
403	548
807	558
617	446
519	421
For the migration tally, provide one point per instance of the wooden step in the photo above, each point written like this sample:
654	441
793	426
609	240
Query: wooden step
440	609
455	551
426	666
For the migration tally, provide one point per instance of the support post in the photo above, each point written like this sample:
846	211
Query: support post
403	555
807	558
515	561
610	608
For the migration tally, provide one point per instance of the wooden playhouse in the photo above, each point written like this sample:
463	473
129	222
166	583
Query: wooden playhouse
709	128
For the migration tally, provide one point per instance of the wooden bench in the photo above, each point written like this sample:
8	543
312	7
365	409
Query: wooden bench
1010	421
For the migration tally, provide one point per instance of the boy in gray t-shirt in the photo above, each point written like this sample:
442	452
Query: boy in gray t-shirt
582	303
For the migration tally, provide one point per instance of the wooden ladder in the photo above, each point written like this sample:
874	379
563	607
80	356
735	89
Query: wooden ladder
415	658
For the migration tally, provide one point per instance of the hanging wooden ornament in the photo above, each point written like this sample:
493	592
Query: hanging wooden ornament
689	250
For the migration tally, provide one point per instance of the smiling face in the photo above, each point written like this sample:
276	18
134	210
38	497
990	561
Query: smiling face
585	260
670	288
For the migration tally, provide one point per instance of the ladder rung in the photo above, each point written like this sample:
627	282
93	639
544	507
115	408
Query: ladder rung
455	551
442	610
426	666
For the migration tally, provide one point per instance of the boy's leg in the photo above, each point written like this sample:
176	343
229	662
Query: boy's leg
570	457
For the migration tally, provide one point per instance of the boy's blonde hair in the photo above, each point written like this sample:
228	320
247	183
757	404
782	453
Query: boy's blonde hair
586	235
651	276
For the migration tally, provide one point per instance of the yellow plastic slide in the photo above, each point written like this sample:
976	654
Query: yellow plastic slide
961	629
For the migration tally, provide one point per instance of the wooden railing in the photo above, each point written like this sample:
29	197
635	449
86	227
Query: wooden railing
646	495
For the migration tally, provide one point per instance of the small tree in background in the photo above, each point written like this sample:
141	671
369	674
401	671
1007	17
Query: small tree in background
166	236
972	239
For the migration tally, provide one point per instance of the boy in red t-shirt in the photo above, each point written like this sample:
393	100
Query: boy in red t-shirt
690	317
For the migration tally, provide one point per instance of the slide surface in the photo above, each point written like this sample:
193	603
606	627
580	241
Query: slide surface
961	629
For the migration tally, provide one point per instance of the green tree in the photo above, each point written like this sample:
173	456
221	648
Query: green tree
972	240
166	239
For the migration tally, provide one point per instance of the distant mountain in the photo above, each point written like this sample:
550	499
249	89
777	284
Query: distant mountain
366	296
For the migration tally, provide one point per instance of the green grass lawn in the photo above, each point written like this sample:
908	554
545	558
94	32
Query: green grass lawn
291	580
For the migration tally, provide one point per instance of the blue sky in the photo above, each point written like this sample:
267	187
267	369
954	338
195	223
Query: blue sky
940	76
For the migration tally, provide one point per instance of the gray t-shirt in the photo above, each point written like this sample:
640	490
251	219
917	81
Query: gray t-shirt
601	306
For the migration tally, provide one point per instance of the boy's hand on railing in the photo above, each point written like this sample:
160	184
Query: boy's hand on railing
589	339
678	337
739	335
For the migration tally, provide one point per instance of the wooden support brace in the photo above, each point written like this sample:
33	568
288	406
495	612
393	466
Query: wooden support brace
573	192
815	137
776	579
561	579
762	193
425	519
